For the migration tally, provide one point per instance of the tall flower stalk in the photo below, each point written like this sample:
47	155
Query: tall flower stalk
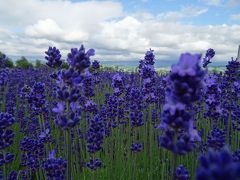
232	75
69	81
208	56
177	121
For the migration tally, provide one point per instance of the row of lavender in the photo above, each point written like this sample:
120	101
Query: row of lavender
82	123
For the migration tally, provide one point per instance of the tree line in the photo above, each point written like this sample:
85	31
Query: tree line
24	63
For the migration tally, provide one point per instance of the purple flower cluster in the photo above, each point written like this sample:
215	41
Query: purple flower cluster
118	84
6	137
149	59
45	136
6	158
94	164
90	106
55	167
136	147
218	166
53	57
216	139
135	98
111	110
79	59
135	102
186	80
25	92
213	104
95	134
66	118
95	65
148	75
32	152
88	84
13	176
69	81
182	173
184	84
36	98
6	120
208	56
232	71
3	77
236	156
96	71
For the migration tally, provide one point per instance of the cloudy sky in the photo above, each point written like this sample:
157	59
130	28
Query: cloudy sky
120	30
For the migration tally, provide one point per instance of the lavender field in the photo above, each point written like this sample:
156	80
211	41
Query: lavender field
86	123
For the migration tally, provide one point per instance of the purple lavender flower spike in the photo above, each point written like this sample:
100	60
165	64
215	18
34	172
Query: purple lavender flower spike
53	57
182	173
94	164
216	139
90	52
51	154
13	176
95	134
60	107
148	75
55	167
78	59
118	84
136	147
95	64
208	56
184	85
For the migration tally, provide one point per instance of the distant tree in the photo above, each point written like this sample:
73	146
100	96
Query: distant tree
109	68
9	63
5	61
23	63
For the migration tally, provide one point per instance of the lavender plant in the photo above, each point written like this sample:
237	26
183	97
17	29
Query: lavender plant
177	121
89	123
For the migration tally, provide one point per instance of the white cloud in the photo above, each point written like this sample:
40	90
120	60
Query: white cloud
44	28
103	26
72	15
168	39
48	28
121	34
59	22
185	12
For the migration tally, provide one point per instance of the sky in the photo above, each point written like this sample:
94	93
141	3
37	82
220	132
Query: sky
120	30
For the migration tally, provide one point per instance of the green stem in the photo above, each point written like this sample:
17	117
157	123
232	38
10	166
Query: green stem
4	172
69	154
174	166
229	125
37	175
